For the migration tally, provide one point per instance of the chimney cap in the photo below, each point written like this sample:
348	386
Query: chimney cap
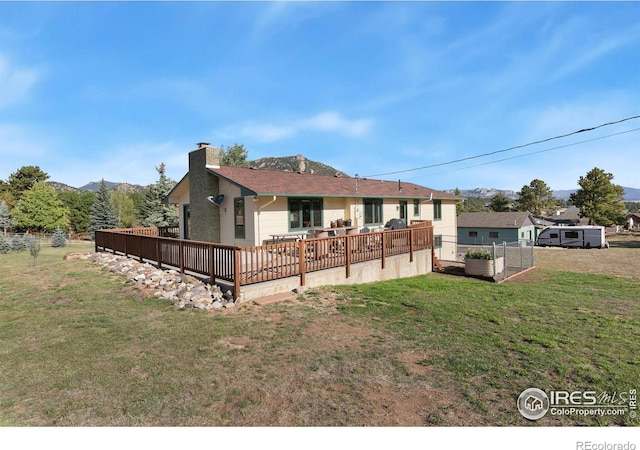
202	144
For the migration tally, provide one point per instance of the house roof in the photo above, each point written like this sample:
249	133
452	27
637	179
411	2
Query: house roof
274	182
516	219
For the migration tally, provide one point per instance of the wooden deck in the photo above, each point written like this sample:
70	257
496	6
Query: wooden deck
249	265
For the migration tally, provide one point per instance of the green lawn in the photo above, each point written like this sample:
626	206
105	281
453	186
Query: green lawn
81	347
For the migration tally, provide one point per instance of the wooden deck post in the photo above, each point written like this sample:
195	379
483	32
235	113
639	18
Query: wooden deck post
181	256
347	251
411	245
384	246
158	250
302	257
236	273
212	272
139	244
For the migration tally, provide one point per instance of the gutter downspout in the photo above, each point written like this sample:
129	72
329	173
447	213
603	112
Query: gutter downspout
260	208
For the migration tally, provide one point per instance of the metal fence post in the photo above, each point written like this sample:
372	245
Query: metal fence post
494	259
504	247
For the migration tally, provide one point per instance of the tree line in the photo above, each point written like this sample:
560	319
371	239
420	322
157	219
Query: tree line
29	204
598	199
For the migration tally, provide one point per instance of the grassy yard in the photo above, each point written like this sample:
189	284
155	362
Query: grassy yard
82	347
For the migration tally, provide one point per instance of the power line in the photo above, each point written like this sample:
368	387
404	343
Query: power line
584	130
539	151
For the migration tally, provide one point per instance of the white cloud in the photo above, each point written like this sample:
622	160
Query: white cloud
15	82
326	122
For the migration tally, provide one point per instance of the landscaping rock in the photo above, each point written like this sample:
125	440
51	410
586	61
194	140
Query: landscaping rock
183	290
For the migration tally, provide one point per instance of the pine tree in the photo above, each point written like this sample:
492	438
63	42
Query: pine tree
58	239
537	198
5	218
5	246
34	249
500	203
103	213
599	199
153	211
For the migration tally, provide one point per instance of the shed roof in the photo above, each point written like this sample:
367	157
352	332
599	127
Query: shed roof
516	219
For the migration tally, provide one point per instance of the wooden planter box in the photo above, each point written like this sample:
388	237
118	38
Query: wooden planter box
483	267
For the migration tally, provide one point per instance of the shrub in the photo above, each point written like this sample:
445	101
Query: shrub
18	243
34	249
5	246
478	255
58	239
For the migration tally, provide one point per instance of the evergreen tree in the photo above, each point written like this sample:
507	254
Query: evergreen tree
236	155
474	204
459	203
5	246
79	206
153	211
5	218
34	250
103	213
24	179
40	209
58	239
537	198
599	199
500	203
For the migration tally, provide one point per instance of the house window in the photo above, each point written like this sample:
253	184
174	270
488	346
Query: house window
437	241
437	210
494	234
372	211
238	208
305	213
473	234
404	211
416	207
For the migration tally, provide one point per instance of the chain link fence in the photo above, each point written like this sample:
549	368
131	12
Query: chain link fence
510	257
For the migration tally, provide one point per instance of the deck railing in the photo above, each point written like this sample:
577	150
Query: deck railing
248	265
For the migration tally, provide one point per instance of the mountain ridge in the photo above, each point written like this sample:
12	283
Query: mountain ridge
630	194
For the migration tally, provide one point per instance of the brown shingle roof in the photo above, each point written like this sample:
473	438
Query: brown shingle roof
493	219
274	182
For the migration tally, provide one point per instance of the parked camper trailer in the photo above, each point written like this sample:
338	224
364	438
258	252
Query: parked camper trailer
575	237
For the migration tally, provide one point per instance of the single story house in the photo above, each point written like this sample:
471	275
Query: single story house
249	207
633	221
479	228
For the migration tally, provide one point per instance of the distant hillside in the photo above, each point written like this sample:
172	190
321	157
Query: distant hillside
94	186
296	163
61	187
630	194
484	193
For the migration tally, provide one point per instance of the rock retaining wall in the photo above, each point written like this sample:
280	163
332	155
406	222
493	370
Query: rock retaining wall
183	290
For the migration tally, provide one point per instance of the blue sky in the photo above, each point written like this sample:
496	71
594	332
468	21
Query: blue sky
110	90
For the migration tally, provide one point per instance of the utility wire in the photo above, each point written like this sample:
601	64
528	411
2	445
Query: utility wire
537	152
584	130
